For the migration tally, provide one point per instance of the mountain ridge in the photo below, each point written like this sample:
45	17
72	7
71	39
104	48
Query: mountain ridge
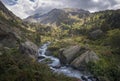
58	16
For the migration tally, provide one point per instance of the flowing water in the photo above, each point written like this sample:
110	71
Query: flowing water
55	62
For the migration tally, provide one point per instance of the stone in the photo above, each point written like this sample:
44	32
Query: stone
57	66
8	40
40	57
66	55
29	48
0	53
83	59
96	34
48	53
84	78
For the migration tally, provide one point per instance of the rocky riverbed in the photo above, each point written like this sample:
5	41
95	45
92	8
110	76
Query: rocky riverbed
57	66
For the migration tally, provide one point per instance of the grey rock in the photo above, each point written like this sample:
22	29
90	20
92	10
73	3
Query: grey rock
8	39
68	54
57	67
83	59
40	57
0	53
48	53
29	48
96	34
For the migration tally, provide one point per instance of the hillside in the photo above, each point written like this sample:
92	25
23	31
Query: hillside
18	52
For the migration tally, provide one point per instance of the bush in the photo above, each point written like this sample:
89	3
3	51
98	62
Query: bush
19	67
104	70
114	39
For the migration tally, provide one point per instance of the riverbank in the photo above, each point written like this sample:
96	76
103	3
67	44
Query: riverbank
55	64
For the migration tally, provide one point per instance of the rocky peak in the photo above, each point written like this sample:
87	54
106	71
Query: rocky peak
58	16
56	11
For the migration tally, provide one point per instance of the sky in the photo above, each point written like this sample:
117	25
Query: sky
25	8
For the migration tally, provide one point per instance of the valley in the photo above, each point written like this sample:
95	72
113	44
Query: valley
67	44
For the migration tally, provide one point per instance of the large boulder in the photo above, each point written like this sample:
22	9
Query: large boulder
68	54
29	48
8	36
96	34
9	40
81	61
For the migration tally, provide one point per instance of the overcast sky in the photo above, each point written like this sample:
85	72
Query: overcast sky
25	8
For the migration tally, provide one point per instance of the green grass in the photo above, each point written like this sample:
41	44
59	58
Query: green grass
19	67
107	68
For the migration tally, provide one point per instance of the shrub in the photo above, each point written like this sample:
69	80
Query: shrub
114	39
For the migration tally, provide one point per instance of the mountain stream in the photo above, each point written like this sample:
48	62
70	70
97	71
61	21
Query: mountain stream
55	62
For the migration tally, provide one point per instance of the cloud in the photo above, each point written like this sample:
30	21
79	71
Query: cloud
94	4
22	8
25	8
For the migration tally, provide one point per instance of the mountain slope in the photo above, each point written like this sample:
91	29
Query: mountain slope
74	11
7	23
58	16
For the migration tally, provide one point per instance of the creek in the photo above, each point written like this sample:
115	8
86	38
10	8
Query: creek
55	65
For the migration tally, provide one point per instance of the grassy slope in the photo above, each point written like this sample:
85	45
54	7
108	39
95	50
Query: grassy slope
18	67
